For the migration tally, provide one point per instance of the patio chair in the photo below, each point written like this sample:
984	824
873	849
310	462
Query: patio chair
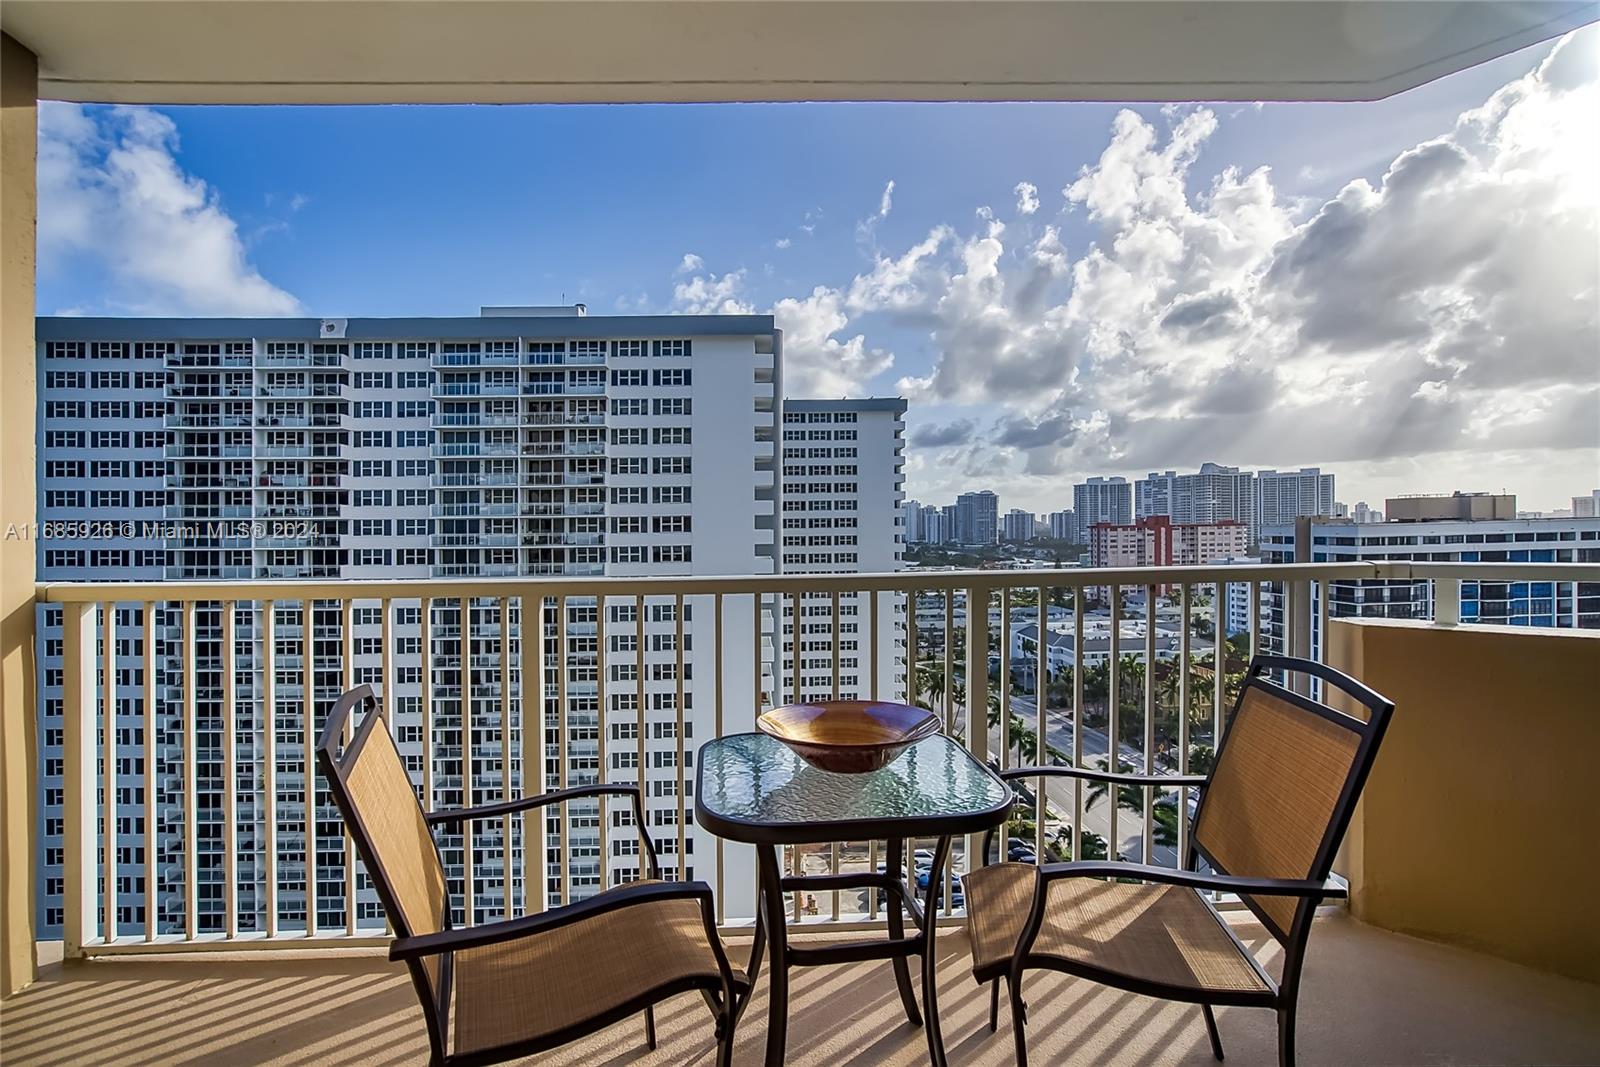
1268	819
507	989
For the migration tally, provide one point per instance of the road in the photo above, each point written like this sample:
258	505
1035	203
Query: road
1096	743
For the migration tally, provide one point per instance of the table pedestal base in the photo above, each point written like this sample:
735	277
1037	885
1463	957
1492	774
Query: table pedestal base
900	899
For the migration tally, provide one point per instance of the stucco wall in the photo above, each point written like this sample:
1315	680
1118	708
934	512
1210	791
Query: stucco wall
1477	825
18	155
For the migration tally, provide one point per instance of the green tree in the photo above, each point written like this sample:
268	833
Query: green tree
1129	797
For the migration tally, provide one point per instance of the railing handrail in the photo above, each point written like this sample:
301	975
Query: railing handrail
890	581
1496	571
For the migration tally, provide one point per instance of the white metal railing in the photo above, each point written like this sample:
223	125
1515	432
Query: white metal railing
201	769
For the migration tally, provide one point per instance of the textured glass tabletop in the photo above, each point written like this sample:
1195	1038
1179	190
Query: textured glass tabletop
751	787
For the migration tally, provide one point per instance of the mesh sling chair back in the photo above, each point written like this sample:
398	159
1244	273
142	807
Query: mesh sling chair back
511	988
1268	819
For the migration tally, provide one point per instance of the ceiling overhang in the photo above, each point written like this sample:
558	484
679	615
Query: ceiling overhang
426	51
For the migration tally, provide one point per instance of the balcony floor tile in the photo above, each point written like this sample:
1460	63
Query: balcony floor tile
1369	997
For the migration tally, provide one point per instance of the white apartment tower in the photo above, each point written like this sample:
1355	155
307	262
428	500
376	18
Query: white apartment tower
1018	526
843	490
1101	500
522	442
1214	494
1283	496
1061	526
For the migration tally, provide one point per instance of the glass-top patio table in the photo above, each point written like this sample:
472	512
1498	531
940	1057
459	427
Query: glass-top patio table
751	788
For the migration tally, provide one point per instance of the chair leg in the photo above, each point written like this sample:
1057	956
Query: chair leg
1211	1031
1286	1035
725	1026
650	1028
1019	1018
994	1005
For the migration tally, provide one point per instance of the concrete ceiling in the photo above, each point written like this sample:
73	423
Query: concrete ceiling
425	51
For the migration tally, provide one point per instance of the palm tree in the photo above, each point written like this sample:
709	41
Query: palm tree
930	683
1129	797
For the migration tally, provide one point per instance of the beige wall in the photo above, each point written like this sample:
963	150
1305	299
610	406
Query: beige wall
18	153
1477	825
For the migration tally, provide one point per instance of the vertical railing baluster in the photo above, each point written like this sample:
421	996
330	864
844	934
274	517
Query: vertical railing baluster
874	603
602	740
1253	589
834	605
683	814
191	749
505	756
347	657
949	658
1079	595
152	922
639	742
309	774
269	756
80	901
1447	600
1147	844
390	701
533	744
1219	658
758	696
716	731
230	773
913	683
1184	607
564	747
108	769
833	847
425	696
1041	693
1323	590
796	645
464	727
1113	720
1005	707
977	725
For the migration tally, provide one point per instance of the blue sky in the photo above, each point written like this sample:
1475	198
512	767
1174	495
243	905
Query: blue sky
998	330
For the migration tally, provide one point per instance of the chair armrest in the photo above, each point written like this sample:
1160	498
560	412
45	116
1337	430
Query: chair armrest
1227	883
1064	770
407	948
536	800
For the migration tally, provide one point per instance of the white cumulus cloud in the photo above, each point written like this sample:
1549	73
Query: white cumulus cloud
1449	310
112	194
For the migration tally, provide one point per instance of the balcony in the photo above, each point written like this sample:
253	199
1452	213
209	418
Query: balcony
1159	718
357	1007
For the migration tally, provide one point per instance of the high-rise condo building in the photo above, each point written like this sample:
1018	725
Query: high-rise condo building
1586	507
521	442
977	518
911	521
1214	494
843	484
1283	496
1018	526
1101	500
1061	526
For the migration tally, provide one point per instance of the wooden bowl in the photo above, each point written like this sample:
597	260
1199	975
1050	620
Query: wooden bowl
848	736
